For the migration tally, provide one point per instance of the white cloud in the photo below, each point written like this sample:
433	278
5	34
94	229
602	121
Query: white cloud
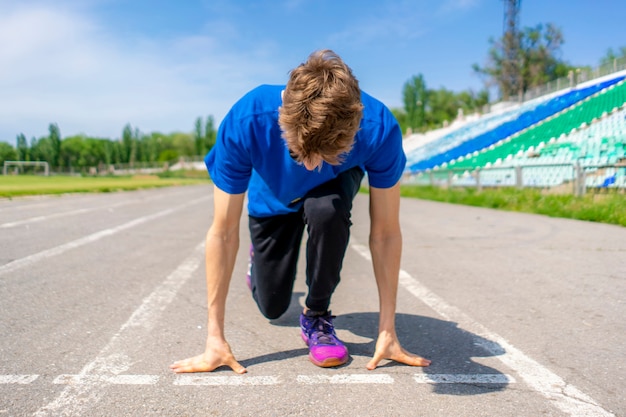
367	31
62	65
398	22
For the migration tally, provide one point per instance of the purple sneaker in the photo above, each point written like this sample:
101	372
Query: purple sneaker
249	273
325	349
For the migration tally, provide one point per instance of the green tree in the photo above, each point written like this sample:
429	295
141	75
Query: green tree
415	98
540	47
538	60
23	153
136	155
470	101
41	150
443	107
94	152
33	144
71	150
118	153
159	142
129	144
184	144
109	152
165	147
79	153
199	137
7	153
55	145
176	145
210	134
168	155
425	109
148	148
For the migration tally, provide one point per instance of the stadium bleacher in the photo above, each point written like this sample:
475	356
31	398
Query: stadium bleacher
547	137
470	130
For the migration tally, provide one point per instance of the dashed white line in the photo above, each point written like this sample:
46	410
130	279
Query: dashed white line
18	379
346	379
463	379
235	380
564	396
187	380
48	253
107	379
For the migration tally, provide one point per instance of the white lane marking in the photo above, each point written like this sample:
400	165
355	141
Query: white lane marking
43	218
191	380
463	379
48	253
186	380
345	379
30	202
106	379
564	396
78	211
112	361
34	205
17	379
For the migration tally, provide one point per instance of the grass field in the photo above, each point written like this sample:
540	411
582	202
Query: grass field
603	208
21	185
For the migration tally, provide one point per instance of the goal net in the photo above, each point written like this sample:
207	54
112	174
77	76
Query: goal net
30	167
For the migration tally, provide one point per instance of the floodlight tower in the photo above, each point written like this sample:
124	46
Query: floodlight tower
511	67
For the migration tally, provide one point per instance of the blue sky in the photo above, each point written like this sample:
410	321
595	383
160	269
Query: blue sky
91	66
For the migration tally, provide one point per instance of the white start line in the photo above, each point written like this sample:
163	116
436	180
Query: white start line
239	380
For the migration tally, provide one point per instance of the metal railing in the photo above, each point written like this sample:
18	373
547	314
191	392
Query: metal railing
574	78
575	177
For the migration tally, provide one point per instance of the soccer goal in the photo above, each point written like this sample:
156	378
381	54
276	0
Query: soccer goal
22	164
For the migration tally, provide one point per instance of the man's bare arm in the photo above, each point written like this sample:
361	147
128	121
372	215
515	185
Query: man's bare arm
386	248
222	244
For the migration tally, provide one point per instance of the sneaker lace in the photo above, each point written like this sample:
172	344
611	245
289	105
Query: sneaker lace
323	331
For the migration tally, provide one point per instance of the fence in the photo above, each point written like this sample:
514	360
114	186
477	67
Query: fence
581	75
576	178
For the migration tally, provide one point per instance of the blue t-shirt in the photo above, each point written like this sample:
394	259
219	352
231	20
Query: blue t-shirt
251	155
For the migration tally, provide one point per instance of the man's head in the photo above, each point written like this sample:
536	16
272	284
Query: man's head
321	110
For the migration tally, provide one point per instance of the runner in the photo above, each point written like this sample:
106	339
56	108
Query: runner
301	151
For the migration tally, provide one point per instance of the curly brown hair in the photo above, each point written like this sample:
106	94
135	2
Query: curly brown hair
321	110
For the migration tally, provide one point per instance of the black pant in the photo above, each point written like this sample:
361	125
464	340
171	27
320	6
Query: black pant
276	242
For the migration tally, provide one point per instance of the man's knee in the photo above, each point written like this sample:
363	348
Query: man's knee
272	310
327	213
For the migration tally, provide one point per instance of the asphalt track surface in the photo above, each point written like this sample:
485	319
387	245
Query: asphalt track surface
522	315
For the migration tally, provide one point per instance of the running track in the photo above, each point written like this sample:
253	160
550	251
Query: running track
522	315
